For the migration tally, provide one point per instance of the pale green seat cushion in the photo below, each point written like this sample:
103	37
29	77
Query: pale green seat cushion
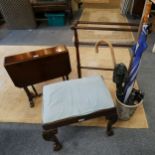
75	98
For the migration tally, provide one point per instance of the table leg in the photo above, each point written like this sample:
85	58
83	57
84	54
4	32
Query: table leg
30	96
66	77
35	91
63	78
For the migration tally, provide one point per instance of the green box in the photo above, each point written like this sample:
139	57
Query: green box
55	19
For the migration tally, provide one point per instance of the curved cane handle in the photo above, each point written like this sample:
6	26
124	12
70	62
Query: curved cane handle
110	46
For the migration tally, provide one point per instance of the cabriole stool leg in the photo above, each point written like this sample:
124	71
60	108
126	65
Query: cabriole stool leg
50	135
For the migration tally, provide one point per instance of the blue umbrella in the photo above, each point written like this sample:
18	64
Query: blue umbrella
137	50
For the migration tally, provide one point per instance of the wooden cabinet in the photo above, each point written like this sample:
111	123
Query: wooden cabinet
43	6
138	7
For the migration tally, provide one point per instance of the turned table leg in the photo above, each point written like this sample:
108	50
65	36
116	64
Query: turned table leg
66	77
30	96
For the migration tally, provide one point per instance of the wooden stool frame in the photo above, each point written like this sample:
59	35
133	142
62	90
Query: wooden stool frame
50	129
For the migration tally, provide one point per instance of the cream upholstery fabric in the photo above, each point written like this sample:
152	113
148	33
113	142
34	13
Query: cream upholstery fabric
75	98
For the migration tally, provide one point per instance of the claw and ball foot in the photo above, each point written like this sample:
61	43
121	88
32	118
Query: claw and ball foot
50	136
112	119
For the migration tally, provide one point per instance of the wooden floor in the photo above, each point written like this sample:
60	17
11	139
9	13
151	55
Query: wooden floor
104	15
104	4
14	105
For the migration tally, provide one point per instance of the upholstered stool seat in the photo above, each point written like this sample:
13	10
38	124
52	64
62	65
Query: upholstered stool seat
75	100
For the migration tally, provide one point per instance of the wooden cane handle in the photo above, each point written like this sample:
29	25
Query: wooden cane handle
109	45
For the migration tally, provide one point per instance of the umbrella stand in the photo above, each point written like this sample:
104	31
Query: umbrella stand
127	107
126	111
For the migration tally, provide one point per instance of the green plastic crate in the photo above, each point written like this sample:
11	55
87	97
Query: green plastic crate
55	19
